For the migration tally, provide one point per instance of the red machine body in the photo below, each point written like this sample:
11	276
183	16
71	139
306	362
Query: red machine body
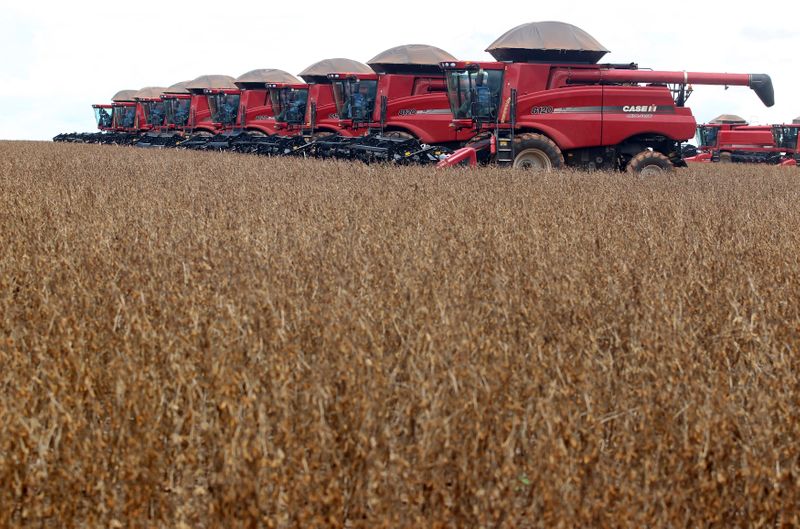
306	109
256	111
743	143
245	108
413	104
595	116
208	112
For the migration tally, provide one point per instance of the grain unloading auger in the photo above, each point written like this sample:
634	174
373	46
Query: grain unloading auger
546	104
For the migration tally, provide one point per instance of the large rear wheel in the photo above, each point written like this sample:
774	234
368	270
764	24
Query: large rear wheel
536	152
725	157
649	163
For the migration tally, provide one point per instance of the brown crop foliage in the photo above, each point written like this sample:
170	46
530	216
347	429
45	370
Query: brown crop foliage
216	340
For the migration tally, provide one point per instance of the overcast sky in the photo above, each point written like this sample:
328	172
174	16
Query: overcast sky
60	57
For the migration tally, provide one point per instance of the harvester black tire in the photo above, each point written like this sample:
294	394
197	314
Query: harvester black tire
649	163
725	157
477	138
688	150
399	134
536	152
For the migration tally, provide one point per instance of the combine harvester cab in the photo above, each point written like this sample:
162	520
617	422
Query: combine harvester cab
305	112
397	113
786	138
546	103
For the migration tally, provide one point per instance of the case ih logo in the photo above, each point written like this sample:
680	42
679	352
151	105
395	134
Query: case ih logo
640	108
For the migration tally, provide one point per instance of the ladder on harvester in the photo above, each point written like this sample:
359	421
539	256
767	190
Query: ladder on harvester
504	138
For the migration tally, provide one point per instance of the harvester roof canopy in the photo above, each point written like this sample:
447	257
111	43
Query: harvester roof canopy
729	119
319	70
178	88
124	95
265	75
548	41
150	92
212	81
410	58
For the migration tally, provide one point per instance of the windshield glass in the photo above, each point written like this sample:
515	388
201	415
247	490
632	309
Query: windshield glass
124	116
289	104
102	115
224	108
177	110
707	136
355	99
474	94
153	112
786	137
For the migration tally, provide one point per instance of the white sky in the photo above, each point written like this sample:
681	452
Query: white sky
57	58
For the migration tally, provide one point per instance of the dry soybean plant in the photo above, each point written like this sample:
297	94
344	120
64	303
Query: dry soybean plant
215	340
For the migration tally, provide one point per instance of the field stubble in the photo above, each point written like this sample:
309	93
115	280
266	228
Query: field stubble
204	340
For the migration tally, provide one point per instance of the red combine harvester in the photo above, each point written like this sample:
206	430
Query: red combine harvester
128	119
305	112
730	139
108	118
244	116
103	115
546	103
153	110
176	101
213	101
399	112
707	134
